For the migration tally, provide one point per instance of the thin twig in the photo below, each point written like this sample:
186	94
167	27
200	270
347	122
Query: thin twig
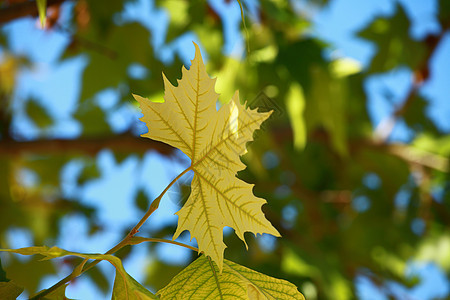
128	240
386	126
155	204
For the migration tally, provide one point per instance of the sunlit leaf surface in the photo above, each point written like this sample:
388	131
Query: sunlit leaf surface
202	280
214	140
125	286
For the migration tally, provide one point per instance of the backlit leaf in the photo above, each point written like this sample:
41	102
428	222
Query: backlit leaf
295	102
125	286
202	280
214	140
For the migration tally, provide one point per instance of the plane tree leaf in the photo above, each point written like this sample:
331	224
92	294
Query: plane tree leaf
213	140
125	286
202	280
391	35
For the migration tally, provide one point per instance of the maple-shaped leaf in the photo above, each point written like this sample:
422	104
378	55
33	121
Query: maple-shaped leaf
213	140
201	280
395	46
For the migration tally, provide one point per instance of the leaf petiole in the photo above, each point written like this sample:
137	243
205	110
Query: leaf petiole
155	204
128	240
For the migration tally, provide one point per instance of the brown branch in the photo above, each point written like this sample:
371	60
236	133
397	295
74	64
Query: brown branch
386	126
22	9
125	143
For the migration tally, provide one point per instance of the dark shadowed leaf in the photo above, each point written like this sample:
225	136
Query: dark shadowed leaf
38	114
394	45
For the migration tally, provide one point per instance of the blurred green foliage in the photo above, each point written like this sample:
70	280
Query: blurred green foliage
331	186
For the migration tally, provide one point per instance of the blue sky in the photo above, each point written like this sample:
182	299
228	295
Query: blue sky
54	82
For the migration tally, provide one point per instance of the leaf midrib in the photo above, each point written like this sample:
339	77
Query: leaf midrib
194	136
246	279
229	200
196	163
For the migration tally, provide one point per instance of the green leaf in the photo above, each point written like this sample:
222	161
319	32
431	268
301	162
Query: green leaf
125	286
90	171
108	67
299	58
58	294
8	288
159	274
415	115
3	277
42	6
202	280
214	141
29	273
295	103
38	114
47	167
141	200
92	118
444	11
327	107
395	47
47	252
99	279
435	248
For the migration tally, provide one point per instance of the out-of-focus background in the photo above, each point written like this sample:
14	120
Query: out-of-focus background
354	162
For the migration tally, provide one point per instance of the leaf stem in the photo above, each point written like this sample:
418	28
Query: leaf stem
77	272
155	204
128	240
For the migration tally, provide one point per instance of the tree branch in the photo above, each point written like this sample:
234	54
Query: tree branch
22	9
125	143
422	74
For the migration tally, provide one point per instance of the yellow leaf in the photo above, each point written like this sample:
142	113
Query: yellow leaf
213	140
201	280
